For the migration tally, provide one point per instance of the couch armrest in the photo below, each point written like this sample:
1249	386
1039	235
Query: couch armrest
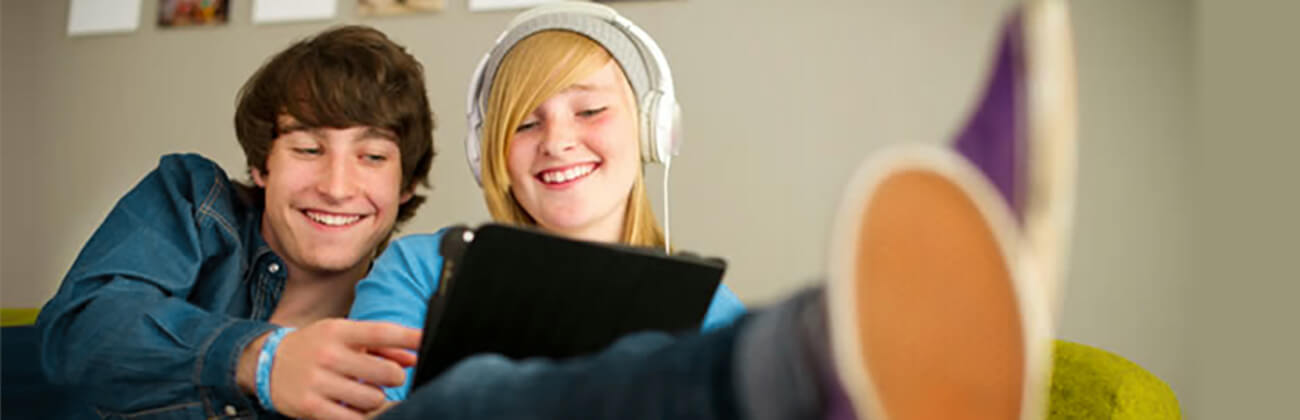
1090	383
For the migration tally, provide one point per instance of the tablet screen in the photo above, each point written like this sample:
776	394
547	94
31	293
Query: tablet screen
523	293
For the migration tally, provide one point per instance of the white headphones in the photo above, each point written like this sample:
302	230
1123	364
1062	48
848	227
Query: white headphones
640	58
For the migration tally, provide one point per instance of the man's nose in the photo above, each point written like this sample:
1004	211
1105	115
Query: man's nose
338	182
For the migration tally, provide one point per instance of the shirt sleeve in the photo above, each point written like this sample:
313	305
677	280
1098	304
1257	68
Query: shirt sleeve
120	321
398	288
725	309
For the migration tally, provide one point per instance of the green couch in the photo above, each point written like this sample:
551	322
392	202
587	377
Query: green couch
1090	383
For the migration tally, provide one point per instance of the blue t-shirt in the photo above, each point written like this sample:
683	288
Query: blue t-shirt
404	277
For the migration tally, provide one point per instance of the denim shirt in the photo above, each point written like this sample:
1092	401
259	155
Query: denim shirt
153	315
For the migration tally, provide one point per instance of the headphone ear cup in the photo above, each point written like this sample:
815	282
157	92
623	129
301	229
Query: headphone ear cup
674	130
661	127
472	153
473	146
666	119
474	121
650	128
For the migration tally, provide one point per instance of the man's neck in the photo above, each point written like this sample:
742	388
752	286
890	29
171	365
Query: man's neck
309	297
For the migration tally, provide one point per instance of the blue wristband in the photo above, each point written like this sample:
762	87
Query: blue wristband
264	360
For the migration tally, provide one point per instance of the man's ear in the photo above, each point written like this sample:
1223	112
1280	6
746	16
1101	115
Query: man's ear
258	178
408	194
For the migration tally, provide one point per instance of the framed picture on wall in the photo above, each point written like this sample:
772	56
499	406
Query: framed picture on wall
175	13
280	11
94	17
486	5
397	7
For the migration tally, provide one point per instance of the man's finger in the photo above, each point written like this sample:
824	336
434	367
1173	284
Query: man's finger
403	358
370	334
357	396
366	367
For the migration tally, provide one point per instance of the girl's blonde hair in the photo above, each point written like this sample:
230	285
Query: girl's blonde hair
519	88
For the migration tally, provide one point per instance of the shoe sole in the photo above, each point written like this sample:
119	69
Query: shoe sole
930	314
1052	144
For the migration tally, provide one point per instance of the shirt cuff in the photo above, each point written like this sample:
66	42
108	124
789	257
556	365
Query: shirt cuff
220	363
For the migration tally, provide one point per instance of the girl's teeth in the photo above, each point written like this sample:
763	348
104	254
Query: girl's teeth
566	175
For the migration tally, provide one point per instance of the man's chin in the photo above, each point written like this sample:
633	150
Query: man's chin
335	265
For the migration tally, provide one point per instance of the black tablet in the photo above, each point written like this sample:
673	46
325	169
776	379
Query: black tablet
523	293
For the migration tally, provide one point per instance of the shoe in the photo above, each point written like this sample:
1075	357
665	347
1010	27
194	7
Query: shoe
929	313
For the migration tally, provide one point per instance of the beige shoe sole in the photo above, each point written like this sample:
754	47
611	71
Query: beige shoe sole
1052	125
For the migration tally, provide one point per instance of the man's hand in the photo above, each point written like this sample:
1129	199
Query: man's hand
375	414
333	368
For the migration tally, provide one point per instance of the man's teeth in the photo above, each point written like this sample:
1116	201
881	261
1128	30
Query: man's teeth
557	177
333	220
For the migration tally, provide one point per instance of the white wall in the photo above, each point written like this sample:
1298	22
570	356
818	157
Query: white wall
1131	264
1243	307
782	99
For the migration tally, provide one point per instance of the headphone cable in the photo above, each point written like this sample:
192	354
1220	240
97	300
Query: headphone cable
668	227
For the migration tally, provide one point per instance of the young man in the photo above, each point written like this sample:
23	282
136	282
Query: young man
169	305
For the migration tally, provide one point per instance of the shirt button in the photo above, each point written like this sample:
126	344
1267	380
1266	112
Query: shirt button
231	411
273	268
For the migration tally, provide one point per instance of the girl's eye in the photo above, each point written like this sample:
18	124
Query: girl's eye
376	158
592	112
526	126
307	150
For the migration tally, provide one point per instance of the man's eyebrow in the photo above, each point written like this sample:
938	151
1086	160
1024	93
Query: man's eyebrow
370	132
285	127
376	132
